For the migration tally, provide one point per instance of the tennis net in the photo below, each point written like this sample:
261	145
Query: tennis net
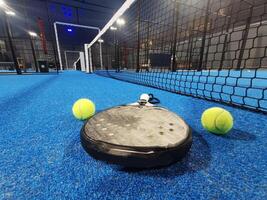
211	49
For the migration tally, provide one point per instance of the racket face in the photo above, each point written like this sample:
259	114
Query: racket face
137	136
137	126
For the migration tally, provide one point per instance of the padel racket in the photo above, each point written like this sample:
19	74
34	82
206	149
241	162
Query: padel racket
137	136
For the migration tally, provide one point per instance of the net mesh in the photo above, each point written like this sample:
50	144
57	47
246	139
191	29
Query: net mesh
211	49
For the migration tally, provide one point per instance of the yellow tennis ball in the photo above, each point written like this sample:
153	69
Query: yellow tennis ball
83	109
217	120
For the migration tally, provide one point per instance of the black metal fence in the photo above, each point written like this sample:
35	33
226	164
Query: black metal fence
28	53
212	49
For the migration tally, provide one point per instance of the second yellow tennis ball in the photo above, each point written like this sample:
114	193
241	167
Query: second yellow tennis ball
83	109
217	120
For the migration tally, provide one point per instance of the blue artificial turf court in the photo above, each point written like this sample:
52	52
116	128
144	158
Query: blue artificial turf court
41	156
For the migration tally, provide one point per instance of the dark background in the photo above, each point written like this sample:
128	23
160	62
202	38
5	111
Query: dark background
84	12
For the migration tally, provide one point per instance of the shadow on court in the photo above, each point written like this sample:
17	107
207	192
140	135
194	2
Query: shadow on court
236	134
198	158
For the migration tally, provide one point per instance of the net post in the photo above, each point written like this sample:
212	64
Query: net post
66	61
114	61
90	61
118	52
244	39
138	36
147	44
100	55
86	58
204	36
190	47
174	43
225	43
58	47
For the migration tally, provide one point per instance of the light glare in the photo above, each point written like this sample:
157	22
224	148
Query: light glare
120	21
113	28
9	12
2	2
33	34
